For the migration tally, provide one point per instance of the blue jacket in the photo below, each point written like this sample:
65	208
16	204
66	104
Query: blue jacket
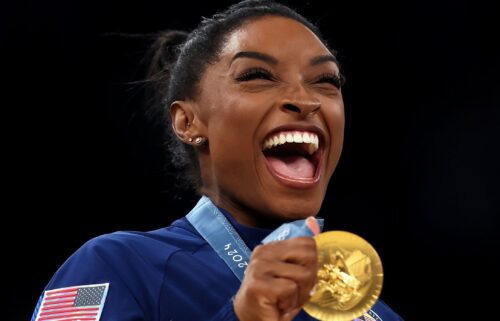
167	274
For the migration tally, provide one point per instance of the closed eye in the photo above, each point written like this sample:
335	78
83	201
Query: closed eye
255	73
333	79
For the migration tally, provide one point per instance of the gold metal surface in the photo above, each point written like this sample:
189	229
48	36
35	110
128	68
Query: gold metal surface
350	277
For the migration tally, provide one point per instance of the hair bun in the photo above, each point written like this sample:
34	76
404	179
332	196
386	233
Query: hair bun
164	51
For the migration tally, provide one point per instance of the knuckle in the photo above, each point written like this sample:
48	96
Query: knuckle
255	262
259	267
261	250
311	251
255	287
307	275
305	241
257	251
311	256
306	244
260	263
291	286
311	275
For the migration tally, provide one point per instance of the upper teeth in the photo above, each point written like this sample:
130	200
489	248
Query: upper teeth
293	137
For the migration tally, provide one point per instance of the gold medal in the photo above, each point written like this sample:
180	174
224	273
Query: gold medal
350	277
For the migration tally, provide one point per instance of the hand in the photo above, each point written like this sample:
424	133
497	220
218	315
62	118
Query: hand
278	280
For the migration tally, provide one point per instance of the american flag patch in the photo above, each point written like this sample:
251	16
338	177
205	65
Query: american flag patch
76	303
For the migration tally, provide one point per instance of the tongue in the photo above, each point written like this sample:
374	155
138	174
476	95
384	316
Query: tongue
292	166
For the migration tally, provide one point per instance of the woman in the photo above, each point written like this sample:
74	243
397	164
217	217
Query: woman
254	98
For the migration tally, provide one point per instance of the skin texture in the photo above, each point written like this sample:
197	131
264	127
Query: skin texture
236	116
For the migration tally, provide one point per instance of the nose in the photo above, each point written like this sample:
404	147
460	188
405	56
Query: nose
302	105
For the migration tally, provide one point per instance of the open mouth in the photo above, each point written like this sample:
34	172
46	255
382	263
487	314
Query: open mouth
293	156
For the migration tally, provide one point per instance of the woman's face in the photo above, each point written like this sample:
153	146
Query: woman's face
274	118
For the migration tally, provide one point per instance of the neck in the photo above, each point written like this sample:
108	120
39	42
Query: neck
243	214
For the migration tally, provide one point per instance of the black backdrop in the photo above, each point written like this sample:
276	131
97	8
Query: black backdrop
418	177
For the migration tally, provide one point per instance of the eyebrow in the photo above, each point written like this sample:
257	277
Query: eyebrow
322	59
270	59
256	55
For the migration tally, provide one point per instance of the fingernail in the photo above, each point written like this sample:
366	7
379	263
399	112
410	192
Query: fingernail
313	290
313	225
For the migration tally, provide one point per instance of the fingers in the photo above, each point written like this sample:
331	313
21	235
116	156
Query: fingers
300	250
303	278
278	280
287	295
265	299
294	259
280	292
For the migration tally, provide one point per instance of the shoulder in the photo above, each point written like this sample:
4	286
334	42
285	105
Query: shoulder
150	245
131	264
127	256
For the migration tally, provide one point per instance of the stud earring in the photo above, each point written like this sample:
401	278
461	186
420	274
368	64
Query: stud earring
200	140
190	139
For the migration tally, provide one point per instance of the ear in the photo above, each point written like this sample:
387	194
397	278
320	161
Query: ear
184	121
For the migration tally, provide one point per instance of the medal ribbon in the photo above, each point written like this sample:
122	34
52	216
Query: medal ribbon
215	228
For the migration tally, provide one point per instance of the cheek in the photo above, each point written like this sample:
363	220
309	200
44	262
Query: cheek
335	119
233	154
338	125
232	138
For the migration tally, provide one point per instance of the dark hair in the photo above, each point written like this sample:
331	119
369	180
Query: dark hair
178	60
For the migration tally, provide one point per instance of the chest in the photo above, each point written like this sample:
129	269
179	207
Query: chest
196	286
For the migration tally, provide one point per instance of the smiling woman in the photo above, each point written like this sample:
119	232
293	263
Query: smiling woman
254	99
273	80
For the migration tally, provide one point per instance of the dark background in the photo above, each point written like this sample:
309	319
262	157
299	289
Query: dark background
418	177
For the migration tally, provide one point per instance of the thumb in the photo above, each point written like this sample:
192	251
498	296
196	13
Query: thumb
313	225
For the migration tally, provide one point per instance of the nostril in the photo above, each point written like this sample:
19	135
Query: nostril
292	108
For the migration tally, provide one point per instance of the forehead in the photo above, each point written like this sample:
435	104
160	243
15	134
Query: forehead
277	36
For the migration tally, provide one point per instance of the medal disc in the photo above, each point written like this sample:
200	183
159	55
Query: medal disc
350	277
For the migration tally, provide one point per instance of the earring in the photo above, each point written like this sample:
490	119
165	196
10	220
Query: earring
200	140
190	139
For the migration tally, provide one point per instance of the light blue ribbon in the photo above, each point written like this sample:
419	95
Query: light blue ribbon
215	228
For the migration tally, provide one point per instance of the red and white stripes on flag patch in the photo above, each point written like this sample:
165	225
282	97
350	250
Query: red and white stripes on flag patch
83	302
